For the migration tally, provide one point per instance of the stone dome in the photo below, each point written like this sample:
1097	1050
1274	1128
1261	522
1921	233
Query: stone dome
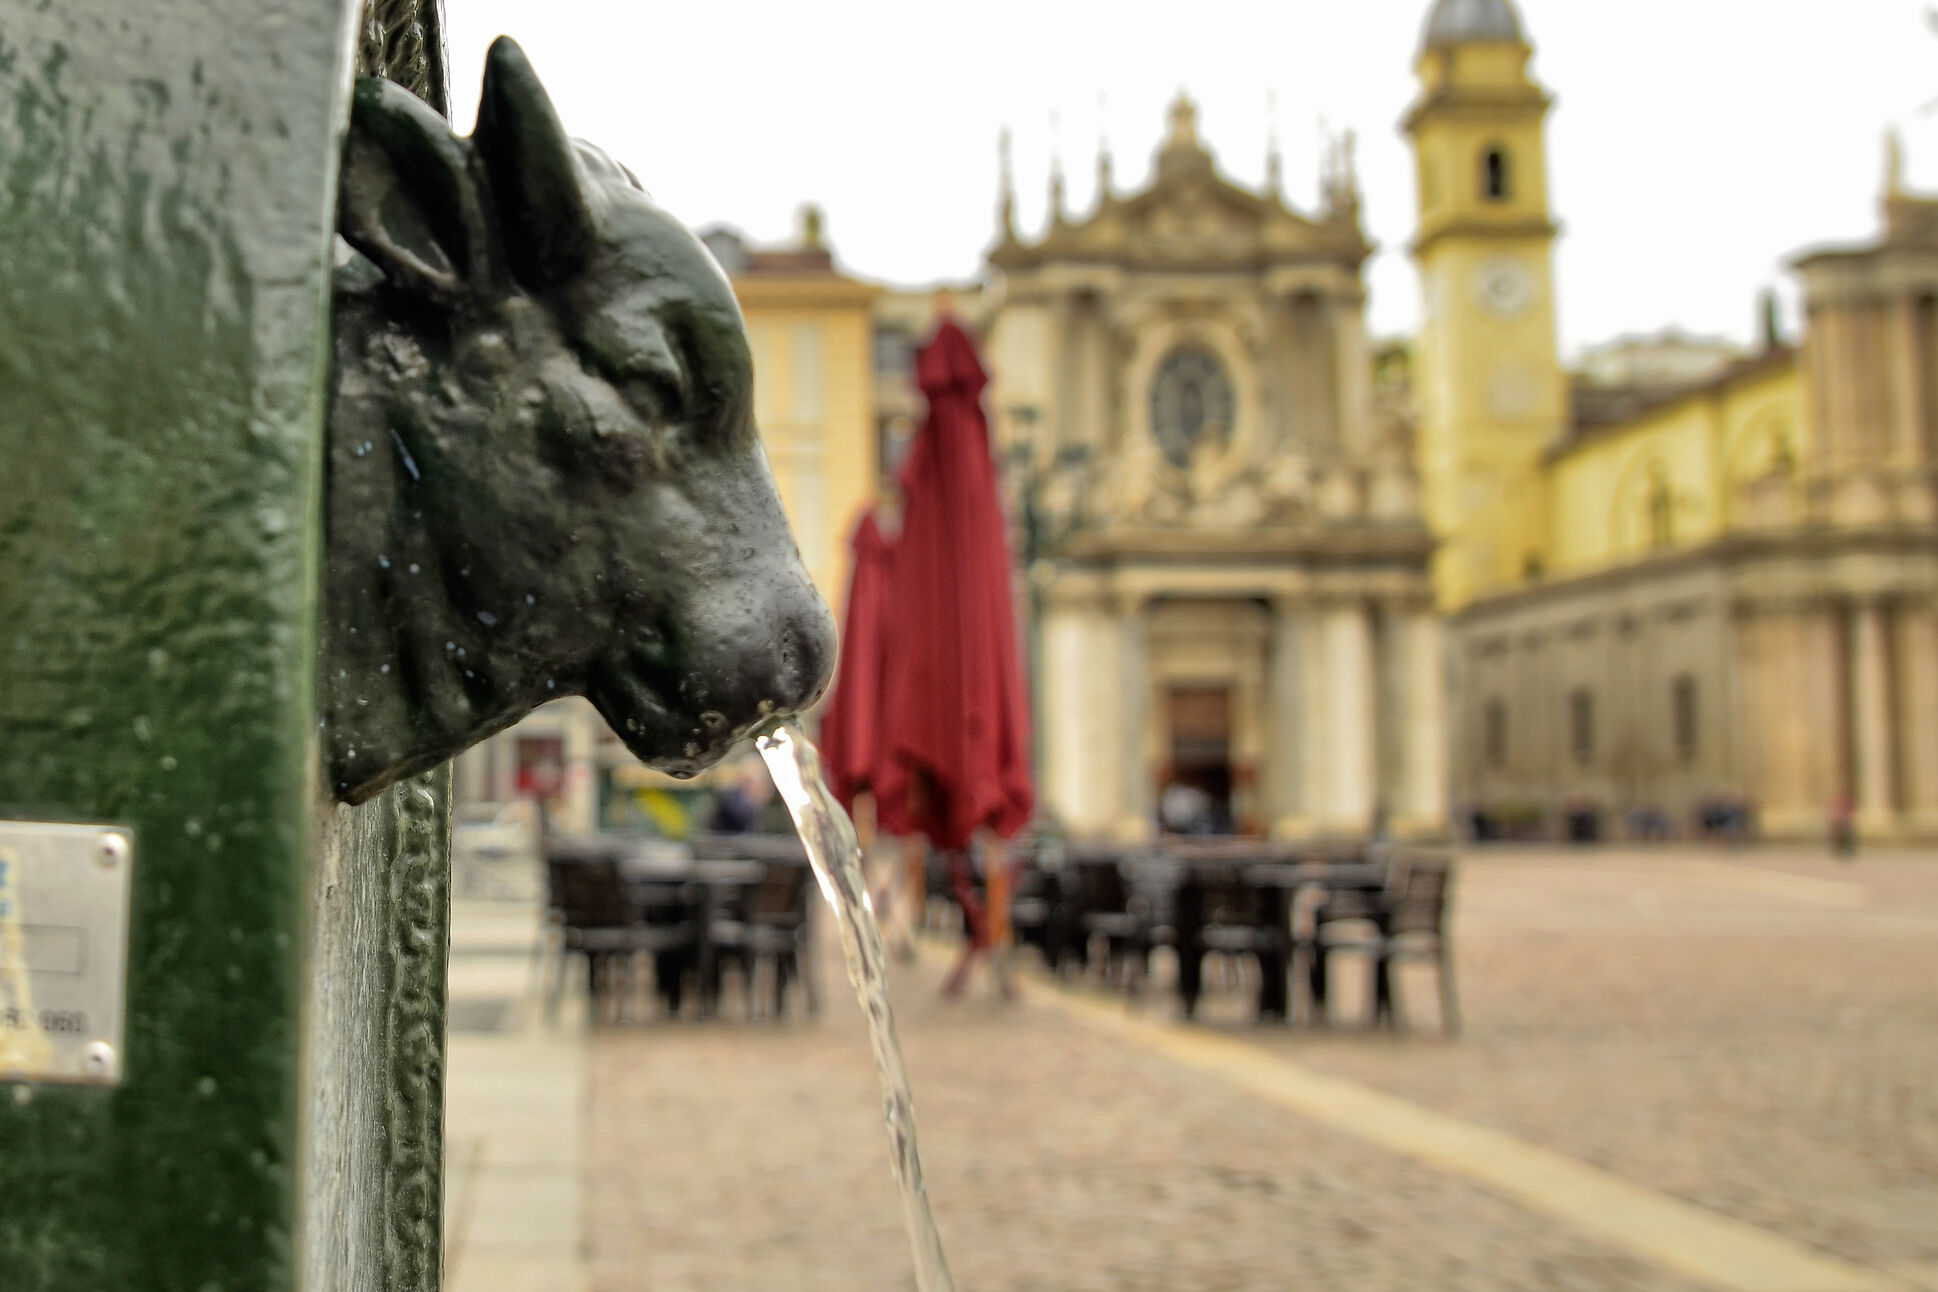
1455	22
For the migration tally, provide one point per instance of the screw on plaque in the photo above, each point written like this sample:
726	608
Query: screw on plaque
98	1059
111	849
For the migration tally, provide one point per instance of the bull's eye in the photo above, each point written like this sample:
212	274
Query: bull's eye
655	397
630	349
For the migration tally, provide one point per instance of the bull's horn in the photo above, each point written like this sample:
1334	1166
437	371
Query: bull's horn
543	204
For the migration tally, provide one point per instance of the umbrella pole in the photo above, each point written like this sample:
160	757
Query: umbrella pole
997	869
975	922
914	888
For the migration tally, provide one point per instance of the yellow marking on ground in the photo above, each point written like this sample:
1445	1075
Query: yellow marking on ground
1674	1234
1772	883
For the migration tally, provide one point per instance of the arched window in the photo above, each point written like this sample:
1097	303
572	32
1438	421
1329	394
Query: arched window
1191	402
1493	725
1496	176
1581	724
1660	505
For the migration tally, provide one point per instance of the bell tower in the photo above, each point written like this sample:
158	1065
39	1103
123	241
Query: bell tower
1491	392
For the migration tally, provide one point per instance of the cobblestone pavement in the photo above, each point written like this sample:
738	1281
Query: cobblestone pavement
1758	1038
1753	1033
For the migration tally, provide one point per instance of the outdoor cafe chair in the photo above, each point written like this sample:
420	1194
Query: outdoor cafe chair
766	923
1226	908
1406	919
596	914
1041	916
751	846
1343	919
1415	928
1110	910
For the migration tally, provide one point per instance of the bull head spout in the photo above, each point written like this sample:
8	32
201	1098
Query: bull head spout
543	475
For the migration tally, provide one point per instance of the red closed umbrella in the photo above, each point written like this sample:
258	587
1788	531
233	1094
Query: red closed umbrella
955	724
851	724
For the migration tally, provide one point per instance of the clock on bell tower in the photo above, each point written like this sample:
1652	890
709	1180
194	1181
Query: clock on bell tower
1490	388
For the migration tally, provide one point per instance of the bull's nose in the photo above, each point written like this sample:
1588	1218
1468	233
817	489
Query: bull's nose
808	645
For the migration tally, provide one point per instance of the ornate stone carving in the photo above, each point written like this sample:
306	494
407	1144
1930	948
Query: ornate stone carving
1140	486
420	936
399	40
544	477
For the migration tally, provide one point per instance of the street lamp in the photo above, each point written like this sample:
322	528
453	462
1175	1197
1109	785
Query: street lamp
1041	531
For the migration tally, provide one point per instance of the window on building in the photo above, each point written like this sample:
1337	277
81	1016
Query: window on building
893	431
1661	507
1581	725
760	341
1496	178
894	352
1493	721
1191	402
1683	715
806	404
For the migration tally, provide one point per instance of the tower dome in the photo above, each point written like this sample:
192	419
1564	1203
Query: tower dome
1456	22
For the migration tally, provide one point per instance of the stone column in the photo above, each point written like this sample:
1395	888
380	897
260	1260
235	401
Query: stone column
1422	809
1082	713
1917	657
1136	817
1314	734
1351	719
1907	383
1064	428
1871	736
1286	805
1353	378
1830	328
1822	727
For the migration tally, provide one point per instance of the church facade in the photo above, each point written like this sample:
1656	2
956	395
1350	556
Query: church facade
1683	583
1224	550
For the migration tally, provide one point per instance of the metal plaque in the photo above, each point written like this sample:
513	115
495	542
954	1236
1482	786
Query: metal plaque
63	950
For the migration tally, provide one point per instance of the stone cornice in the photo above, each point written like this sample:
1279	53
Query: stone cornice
797	290
1306	546
1821	551
1476	102
1517	229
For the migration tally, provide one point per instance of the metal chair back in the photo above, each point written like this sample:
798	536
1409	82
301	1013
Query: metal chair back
782	897
1101	886
1416	897
589	894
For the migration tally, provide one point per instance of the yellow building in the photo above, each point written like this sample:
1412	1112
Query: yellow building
1668	593
1491	393
1698	461
810	327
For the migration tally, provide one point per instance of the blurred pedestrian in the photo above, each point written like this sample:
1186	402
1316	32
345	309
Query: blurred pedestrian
738	807
1843	828
1183	808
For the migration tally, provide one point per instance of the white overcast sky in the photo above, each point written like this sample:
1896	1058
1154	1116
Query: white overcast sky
1695	144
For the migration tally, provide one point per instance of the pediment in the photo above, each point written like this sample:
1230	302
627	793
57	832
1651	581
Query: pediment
1190	217
1198	212
1197	219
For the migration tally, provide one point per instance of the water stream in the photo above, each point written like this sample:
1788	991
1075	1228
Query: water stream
836	856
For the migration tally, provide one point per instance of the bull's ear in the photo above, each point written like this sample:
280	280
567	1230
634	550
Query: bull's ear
411	196
543	203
